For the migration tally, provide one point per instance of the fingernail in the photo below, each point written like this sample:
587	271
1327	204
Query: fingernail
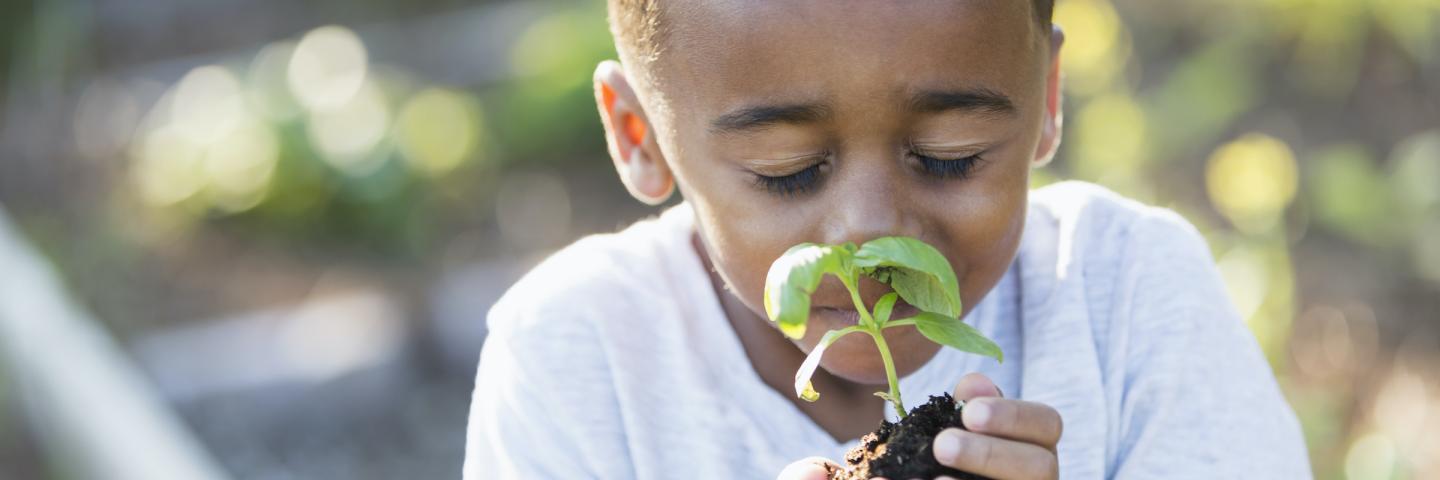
976	415
947	446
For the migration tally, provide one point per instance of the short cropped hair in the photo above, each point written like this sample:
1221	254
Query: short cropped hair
639	29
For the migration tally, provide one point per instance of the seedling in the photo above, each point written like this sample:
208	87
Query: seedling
917	273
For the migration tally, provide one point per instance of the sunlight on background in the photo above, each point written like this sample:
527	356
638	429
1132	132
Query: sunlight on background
267	82
1352	196
328	68
348	133
202	140
1252	180
438	129
313	108
209	184
1110	135
1097	46
1263	106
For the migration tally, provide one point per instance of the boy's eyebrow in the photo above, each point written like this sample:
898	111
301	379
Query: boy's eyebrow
981	100
761	116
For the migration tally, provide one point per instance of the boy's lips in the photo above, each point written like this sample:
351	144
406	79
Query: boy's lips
838	317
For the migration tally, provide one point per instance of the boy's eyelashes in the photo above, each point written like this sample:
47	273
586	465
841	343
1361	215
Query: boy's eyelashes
960	167
807	179
793	184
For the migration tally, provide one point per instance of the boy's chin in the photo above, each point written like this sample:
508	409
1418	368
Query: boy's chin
854	358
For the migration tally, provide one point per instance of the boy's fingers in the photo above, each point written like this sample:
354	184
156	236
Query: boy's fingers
976	385
813	468
1017	420
994	457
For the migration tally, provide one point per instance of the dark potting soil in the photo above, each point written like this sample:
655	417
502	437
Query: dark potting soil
902	450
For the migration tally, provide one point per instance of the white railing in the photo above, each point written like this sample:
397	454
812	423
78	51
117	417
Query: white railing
93	410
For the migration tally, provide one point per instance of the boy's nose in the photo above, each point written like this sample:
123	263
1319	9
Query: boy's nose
870	204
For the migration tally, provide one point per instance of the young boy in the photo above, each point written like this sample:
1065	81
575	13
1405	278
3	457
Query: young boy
647	353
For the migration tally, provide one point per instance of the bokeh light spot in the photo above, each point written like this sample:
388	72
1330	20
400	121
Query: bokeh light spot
1251	180
1096	48
267	84
328	67
438	130
207	104
1401	407
201	142
166	168
1110	134
1371	457
347	134
239	166
1415	177
1350	196
1246	278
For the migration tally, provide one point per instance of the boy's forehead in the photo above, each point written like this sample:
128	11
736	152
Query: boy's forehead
856	8
776	48
806	23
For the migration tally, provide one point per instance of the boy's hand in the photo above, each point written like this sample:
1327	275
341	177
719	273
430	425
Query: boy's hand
813	468
1008	439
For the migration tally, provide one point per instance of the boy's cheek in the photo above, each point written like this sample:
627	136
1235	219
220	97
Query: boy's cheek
743	261
743	241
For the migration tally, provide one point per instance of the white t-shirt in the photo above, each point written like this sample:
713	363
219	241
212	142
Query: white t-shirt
613	359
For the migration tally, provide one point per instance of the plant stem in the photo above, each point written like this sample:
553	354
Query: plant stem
899	323
889	372
870	326
851	284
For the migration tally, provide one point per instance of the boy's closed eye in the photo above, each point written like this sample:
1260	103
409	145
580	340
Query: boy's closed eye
794	175
808	178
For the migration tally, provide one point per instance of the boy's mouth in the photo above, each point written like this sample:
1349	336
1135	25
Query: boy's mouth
841	317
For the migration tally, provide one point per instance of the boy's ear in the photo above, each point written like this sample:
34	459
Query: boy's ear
629	136
1054	105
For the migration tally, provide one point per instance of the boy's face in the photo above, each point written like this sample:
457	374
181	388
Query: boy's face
842	121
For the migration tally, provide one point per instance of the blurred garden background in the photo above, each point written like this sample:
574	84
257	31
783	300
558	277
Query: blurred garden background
287	219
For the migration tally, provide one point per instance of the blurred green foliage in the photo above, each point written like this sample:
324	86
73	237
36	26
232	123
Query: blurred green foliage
550	105
435	148
1249	117
1301	136
1270	103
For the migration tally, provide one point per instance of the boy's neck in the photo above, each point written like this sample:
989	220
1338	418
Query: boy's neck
850	409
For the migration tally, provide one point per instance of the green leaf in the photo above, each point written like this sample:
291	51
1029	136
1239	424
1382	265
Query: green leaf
918	272
803	388
794	276
952	332
884	306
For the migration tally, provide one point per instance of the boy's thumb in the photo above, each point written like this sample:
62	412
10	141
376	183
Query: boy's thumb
975	385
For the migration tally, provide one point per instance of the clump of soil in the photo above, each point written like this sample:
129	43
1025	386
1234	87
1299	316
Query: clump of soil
903	450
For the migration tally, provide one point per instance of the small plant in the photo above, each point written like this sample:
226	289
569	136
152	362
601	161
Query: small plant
917	273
